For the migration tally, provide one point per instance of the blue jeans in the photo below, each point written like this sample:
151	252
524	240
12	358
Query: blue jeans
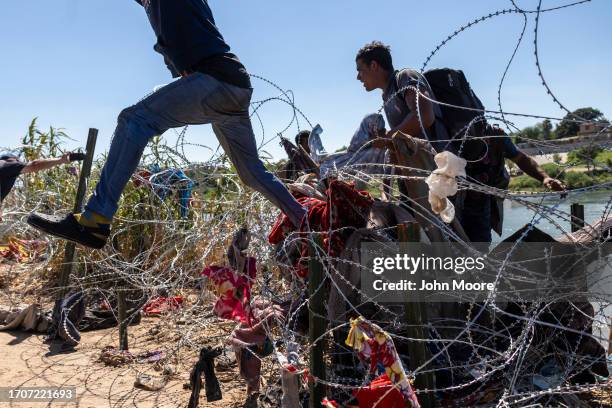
192	100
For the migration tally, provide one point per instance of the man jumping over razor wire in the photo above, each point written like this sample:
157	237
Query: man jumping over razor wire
214	88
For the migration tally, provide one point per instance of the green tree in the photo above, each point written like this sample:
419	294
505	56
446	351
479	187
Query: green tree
547	130
570	124
584	155
531	133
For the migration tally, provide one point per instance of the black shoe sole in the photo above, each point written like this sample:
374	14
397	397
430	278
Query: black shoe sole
66	228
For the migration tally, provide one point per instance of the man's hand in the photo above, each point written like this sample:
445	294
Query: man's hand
65	159
382	142
553	184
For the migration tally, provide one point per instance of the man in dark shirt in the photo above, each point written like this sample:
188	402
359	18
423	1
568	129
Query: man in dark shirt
478	212
11	167
214	88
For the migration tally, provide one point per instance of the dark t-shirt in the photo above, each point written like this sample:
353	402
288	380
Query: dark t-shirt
491	170
189	40
9	171
226	68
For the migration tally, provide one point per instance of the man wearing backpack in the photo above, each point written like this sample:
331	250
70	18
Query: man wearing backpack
214	88
447	128
375	71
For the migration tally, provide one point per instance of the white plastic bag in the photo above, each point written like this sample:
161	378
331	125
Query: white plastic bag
442	184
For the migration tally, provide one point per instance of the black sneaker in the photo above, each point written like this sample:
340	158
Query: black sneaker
69	228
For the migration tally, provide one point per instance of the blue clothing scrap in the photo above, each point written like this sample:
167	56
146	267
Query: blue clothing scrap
165	181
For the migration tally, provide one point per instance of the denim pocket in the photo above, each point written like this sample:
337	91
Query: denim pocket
227	100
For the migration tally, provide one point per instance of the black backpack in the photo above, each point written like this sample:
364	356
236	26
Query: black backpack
450	86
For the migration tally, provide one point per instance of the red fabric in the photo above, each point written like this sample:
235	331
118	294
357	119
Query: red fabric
233	291
162	305
345	207
381	386
142	178
380	354
327	403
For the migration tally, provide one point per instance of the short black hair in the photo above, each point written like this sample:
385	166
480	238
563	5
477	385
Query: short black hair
9	156
376	51
301	135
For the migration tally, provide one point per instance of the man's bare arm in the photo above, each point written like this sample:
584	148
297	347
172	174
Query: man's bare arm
44	164
531	168
411	125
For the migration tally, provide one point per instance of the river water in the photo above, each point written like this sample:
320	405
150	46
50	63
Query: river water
516	215
595	204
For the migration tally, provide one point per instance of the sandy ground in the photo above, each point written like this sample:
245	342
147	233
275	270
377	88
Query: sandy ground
26	361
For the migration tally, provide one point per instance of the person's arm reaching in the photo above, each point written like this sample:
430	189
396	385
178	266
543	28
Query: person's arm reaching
44	164
531	168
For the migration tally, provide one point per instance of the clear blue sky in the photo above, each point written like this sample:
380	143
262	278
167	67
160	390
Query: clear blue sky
76	63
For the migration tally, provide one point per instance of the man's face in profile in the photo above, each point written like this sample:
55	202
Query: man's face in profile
366	74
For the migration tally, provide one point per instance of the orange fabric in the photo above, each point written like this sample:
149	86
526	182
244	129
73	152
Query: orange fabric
22	250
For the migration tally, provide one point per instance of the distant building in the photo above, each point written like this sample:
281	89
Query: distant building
593	128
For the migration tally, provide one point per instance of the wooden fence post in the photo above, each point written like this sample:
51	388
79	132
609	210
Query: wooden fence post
577	218
317	323
415	314
122	317
70	248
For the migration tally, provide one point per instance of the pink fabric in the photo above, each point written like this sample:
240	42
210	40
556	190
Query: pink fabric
233	290
264	315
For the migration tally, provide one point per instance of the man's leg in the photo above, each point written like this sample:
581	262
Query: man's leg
238	140
476	218
195	99
174	105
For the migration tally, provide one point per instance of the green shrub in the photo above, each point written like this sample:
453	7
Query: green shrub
553	170
603	176
524	183
604	158
574	179
584	155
